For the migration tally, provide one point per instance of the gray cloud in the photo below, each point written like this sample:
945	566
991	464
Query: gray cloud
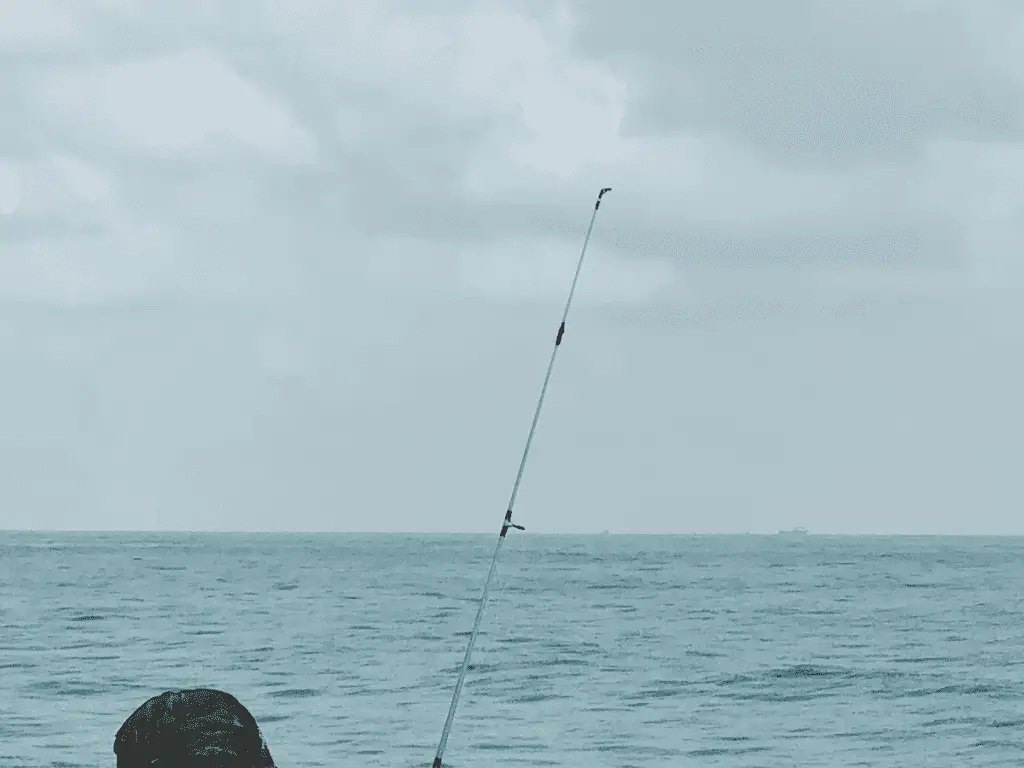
816	82
299	263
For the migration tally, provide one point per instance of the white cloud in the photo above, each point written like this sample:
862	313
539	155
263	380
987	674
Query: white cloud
35	25
543	269
10	188
968	182
128	259
551	115
178	102
59	188
568	112
85	180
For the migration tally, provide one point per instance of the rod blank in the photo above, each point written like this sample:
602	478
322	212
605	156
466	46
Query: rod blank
507	522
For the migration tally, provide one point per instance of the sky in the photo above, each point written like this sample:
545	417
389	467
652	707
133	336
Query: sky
275	265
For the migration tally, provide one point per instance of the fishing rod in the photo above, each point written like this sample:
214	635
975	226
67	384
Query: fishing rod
507	522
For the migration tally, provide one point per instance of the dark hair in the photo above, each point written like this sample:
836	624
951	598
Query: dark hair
198	728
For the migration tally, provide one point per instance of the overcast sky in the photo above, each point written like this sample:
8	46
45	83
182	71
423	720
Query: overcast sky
297	264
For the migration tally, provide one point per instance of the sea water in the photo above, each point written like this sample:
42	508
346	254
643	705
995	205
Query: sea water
597	650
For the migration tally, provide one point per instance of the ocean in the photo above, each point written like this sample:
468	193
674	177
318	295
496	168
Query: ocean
597	650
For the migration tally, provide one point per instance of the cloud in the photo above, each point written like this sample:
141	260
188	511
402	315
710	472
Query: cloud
10	189
304	259
35	26
815	82
506	274
487	130
176	103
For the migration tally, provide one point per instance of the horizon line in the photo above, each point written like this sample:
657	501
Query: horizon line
787	533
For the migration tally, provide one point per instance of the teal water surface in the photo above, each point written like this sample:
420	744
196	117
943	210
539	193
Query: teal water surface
598	651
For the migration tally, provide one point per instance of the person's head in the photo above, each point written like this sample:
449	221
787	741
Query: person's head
200	728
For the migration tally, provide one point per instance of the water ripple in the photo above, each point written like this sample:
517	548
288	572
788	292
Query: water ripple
624	651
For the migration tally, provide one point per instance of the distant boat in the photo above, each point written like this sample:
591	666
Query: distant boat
793	533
